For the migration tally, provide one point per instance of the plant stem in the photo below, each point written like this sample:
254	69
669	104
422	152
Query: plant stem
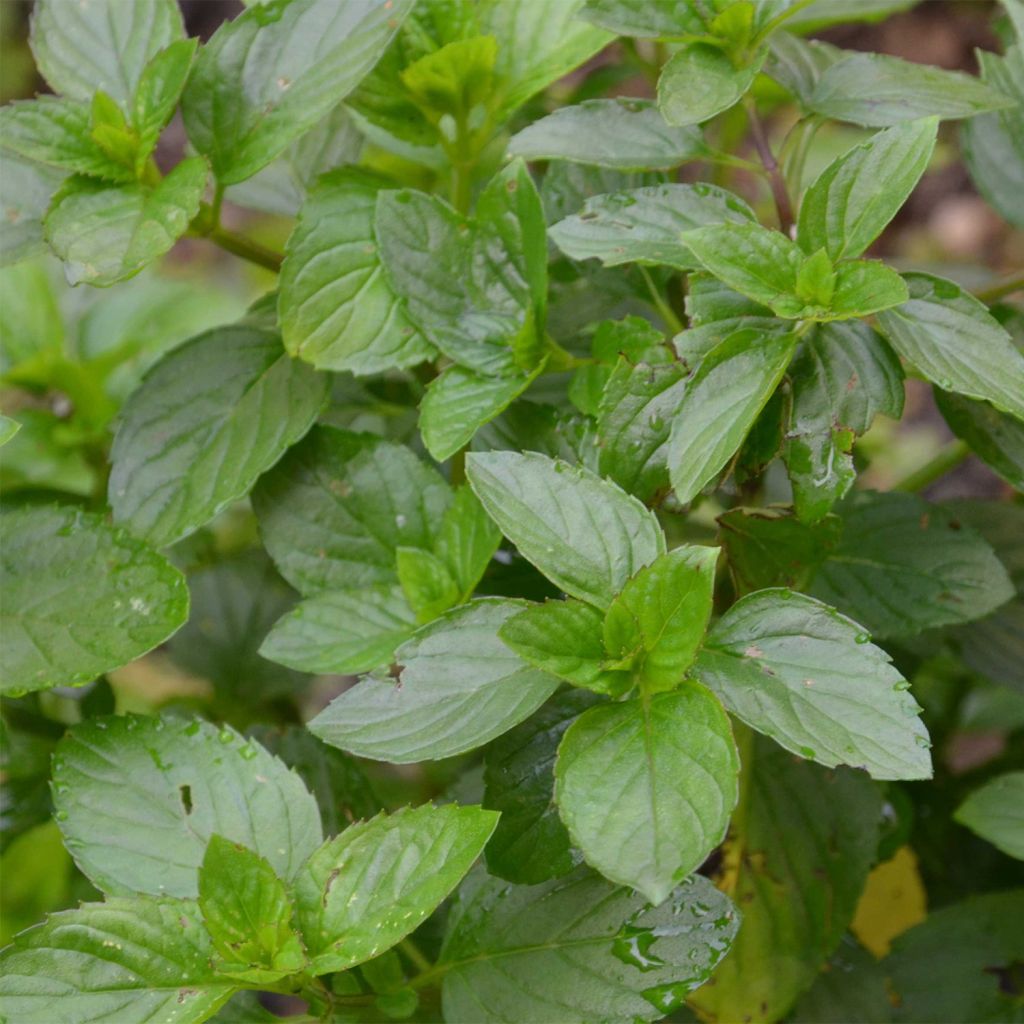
246	248
947	458
415	955
1004	288
667	313
783	204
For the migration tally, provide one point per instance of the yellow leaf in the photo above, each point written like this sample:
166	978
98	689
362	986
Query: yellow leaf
893	901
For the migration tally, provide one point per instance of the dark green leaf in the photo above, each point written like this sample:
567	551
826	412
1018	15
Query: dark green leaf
366	889
206	422
584	533
995	437
798	64
996	813
138	798
646	787
459	687
80	598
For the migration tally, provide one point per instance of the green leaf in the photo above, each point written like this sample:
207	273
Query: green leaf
247	911
101	44
844	211
721	403
233	603
797	64
459	401
668	19
995	437
565	639
459	687
579	949
634	422
538	44
843	375
850	987
623	133
427	583
342	631
530	844
138	797
156	98
25	190
466	540
338	310
700	80
643	225
646	787
454	79
107	233
57	132
902	565
333	512
799	672
877	90
822	13
207	420
8	428
993	144
995	812
129	960
80	598
797	857
961	962
863	287
659	618
584	533
369	887
36	869
956	343
277	69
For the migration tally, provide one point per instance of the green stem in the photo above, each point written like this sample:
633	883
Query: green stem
947	458
667	313
415	955
246	248
999	291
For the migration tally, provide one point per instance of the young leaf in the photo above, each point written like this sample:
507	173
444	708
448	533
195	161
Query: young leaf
646	786
721	403
634	421
584	533
247	911
274	71
863	287
426	582
580	949
466	540
205	423
366	889
700	80
138	797
796	860
845	209
996	438
626	134
643	225
877	90
660	617
799	672
459	687
107	233
564	638
459	401
843	375
903	565
335	509
156	98
63	629
57	132
539	43
338	310
993	144
671	18
101	44
129	960
996	813
342	631
956	343
530	844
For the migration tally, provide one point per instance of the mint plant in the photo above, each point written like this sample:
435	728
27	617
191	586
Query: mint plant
501	607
